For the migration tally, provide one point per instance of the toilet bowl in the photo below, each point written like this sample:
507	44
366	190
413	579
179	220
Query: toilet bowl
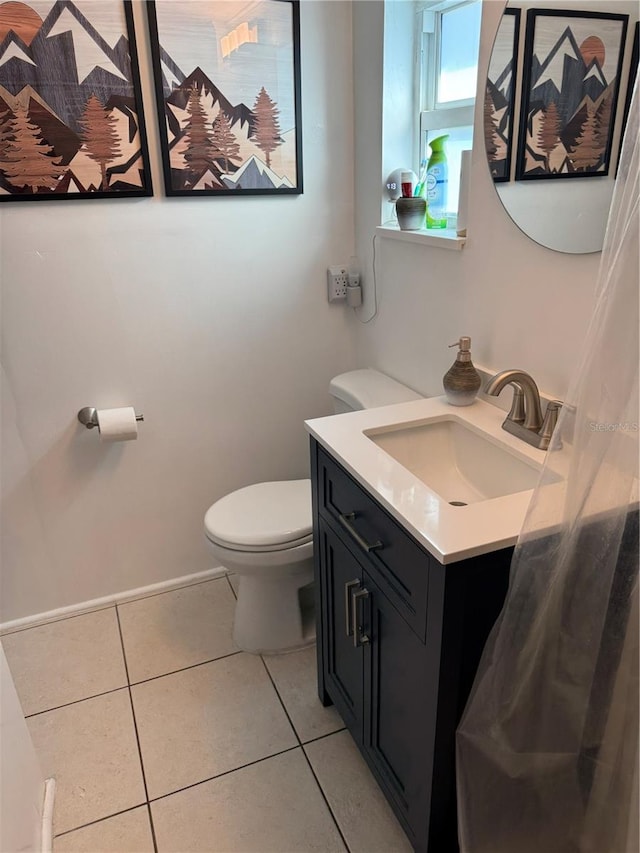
264	534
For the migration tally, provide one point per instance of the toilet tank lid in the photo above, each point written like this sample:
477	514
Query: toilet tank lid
368	388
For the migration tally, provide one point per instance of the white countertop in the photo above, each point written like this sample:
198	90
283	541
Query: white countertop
449	533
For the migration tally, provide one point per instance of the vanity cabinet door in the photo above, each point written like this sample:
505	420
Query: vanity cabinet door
340	578
400	714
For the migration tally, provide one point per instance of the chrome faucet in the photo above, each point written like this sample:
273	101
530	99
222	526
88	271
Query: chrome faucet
525	416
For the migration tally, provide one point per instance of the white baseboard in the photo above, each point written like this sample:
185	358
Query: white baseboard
46	844
109	601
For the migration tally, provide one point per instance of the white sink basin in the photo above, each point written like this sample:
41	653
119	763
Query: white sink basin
460	464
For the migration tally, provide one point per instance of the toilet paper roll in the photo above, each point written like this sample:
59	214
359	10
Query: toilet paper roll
463	200
117	424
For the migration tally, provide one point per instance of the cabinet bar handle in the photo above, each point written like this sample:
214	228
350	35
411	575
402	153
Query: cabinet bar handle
346	520
347	604
358	638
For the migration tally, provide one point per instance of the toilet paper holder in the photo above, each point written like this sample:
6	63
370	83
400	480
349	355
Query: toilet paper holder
88	416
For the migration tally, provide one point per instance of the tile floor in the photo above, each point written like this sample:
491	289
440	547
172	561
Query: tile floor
164	737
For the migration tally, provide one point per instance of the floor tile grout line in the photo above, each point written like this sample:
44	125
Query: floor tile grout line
135	728
185	668
324	797
103	692
280	699
144	775
322	737
153	829
122	647
132	684
231	586
284	708
76	702
224	773
101	819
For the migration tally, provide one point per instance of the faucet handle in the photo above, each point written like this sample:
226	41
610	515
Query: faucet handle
516	412
550	419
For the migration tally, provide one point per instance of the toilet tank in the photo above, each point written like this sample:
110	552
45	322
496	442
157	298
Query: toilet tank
366	389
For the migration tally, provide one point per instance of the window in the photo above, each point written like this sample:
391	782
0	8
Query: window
448	73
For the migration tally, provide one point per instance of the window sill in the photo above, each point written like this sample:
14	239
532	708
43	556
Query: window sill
444	239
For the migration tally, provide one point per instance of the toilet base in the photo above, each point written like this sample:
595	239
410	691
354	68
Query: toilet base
274	617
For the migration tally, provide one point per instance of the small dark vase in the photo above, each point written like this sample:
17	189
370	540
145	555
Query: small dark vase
411	213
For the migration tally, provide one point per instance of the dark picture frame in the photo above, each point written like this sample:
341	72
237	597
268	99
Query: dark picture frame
500	96
71	119
633	73
227	81
571	80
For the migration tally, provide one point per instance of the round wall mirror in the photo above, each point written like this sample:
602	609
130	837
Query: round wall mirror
556	102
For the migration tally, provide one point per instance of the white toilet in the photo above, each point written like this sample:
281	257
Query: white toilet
264	534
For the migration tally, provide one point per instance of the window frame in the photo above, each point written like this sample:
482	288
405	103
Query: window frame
430	14
435	115
457	113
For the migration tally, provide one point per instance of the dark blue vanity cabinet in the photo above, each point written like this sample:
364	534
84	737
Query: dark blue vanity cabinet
399	640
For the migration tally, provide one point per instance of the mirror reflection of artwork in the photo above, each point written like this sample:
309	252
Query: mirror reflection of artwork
70	106
633	73
499	96
228	92
570	92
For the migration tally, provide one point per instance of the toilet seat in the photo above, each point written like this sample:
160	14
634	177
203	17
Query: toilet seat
260	549
263	517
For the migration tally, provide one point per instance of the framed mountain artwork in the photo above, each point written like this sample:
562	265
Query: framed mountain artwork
571	79
499	96
71	123
227	80
633	73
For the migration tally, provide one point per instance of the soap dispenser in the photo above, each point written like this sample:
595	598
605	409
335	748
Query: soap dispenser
462	381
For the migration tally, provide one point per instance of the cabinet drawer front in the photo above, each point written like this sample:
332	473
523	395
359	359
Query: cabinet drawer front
397	563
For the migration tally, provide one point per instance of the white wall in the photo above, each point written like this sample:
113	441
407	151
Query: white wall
21	780
524	306
208	315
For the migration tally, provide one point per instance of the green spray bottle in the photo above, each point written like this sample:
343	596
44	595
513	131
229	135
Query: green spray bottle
437	182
